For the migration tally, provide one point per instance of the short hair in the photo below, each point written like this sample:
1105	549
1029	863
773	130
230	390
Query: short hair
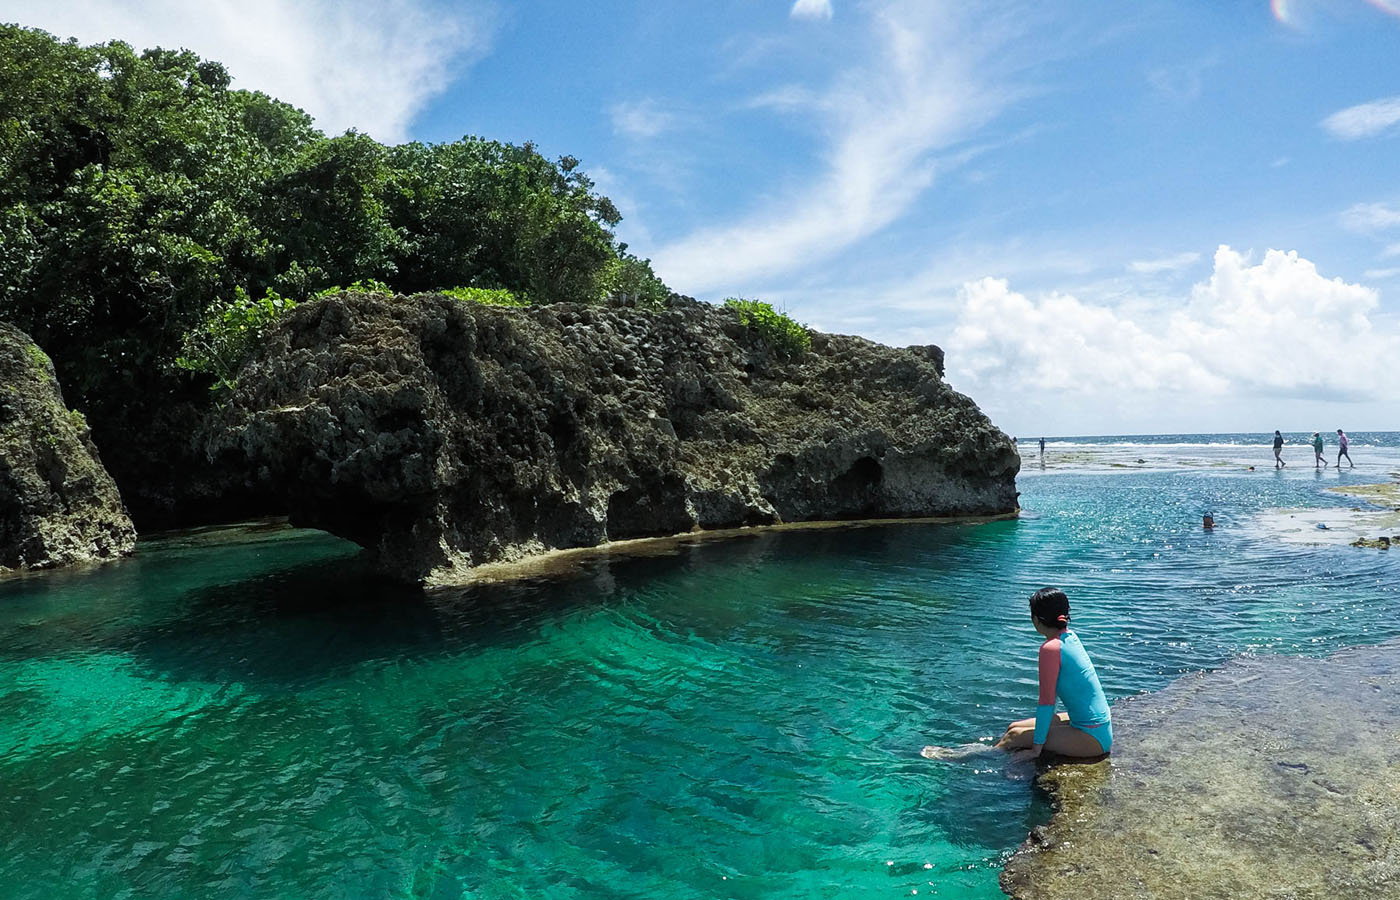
1051	606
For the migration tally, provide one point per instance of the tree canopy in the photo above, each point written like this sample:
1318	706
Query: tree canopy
139	191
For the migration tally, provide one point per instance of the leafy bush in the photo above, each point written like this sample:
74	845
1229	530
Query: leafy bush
784	335
485	296
363	286
630	276
223	340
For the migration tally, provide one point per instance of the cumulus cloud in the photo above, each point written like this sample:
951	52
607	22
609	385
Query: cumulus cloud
1163	264
1370	217
641	119
365	64
1364	120
931	80
1276	328
811	9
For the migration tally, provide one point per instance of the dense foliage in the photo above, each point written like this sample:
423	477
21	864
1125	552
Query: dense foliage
784	335
143	203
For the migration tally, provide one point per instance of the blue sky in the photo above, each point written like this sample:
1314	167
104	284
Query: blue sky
1156	216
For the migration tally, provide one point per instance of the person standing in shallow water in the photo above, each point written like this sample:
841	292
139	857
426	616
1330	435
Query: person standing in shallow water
1278	450
1319	462
1342	450
1042	446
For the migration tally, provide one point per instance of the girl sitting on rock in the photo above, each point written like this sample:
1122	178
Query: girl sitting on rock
1066	673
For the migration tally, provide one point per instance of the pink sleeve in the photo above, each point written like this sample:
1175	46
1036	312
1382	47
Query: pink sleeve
1049	671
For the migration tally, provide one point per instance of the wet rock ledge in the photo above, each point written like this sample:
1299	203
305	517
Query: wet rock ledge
58	505
443	435
1274	777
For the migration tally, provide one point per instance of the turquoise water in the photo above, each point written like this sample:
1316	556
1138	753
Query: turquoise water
253	715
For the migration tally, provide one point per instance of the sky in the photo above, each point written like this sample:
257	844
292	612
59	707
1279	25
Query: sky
1115	218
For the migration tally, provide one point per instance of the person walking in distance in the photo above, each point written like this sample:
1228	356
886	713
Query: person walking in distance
1042	446
1278	450
1342	450
1319	462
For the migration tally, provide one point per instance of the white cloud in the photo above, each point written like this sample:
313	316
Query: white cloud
1392	250
641	119
1370	217
1364	120
811	9
1381	274
1278	328
352	64
1163	264
931	83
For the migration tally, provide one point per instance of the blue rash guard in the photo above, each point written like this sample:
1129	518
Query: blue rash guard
1067	673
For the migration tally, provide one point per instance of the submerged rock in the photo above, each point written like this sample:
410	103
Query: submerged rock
1272	777
443	435
57	504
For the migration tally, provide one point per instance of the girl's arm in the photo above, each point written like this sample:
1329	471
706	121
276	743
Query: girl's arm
1049	678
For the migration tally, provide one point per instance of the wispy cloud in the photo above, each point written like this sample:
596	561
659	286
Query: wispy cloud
1392	250
641	119
1364	120
1369	218
1381	274
811	9
350	63
1163	264
931	82
1180	83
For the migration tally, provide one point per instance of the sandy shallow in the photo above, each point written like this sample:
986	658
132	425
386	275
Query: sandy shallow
1378	517
1274	777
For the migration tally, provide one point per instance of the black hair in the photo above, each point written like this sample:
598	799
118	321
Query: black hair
1051	607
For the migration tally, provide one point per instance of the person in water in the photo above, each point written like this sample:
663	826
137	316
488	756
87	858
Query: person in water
1320	463
1342	450
1278	450
1066	673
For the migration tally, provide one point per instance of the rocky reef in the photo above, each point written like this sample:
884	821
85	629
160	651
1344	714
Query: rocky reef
1272	777
57	504
442	435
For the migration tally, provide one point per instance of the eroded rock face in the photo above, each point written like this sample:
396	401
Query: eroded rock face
1272	777
443	435
57	504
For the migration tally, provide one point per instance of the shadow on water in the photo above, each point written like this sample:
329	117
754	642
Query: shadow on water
296	627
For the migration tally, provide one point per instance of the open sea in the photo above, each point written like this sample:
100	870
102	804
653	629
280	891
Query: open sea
239	713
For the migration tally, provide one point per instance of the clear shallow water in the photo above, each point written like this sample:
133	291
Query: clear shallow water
257	717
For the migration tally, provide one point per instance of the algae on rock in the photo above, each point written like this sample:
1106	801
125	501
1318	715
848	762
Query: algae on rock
57	504
443	435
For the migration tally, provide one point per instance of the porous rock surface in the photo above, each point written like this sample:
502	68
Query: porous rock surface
442	435
1273	777
57	504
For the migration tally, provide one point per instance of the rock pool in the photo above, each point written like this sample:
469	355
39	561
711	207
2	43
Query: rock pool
250	714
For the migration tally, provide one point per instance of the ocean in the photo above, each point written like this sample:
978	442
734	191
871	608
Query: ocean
248	712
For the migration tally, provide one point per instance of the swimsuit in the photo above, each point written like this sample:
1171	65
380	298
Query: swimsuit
1067	673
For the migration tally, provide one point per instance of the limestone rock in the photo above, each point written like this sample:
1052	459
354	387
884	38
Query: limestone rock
443	435
57	504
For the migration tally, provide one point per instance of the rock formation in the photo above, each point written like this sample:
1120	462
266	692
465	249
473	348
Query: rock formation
1272	777
442	435
57	504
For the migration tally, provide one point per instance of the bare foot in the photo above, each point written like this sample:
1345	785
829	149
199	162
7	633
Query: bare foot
962	752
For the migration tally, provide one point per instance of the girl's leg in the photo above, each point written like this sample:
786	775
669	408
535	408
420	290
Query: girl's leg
1020	733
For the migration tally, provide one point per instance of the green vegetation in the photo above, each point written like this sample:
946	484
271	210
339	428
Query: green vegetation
786	336
484	296
139	192
219	344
